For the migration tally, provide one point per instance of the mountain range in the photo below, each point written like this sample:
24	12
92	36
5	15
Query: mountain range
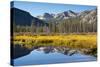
59	16
21	17
85	16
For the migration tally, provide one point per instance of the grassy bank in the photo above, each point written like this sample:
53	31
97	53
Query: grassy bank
69	40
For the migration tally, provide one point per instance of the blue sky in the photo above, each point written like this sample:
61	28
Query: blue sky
36	8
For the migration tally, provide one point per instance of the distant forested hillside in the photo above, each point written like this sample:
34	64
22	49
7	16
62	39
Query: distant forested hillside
65	22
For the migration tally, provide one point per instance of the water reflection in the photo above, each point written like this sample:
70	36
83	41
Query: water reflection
49	55
50	49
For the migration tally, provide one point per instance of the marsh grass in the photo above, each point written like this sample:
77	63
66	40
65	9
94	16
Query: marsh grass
69	40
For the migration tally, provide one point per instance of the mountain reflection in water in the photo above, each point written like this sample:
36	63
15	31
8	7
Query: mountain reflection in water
50	55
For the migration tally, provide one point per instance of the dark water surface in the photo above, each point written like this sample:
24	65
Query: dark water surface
45	56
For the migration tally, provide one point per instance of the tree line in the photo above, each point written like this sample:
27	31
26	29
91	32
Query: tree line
72	25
